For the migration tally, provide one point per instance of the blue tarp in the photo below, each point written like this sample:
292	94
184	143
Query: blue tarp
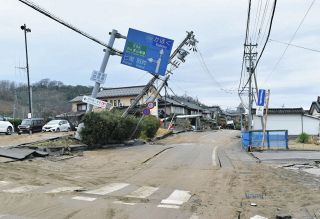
273	139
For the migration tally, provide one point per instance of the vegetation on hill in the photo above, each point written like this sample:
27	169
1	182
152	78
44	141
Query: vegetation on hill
49	98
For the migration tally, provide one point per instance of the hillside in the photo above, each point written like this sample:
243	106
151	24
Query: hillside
49	98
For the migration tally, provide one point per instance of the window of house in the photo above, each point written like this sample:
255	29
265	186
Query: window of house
119	103
81	107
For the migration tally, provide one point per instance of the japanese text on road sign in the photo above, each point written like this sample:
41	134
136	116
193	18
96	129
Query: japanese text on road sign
147	52
98	76
96	102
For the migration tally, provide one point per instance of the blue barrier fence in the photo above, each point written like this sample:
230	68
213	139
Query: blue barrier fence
273	139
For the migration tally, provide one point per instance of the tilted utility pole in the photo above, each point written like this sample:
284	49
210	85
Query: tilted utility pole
190	37
108	51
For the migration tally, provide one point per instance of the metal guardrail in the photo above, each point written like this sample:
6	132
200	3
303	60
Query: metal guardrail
274	139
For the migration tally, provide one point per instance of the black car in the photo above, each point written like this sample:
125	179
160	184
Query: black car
31	125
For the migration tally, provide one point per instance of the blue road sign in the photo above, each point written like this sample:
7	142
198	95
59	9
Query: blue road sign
146	111
261	97
147	52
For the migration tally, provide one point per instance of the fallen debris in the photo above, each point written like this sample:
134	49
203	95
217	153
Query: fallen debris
258	217
283	216
20	154
254	196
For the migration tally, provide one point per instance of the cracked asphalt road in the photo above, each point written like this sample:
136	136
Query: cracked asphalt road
189	175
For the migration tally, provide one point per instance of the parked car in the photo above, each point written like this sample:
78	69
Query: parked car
6	126
56	125
31	125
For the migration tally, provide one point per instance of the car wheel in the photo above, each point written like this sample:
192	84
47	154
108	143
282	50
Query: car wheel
69	129
57	130
9	130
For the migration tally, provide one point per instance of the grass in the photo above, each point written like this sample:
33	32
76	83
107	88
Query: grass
63	141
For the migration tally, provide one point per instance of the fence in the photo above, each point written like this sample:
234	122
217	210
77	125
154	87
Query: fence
273	139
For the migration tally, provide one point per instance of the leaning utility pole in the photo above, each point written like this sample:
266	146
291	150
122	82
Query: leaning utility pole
250	57
190	37
103	66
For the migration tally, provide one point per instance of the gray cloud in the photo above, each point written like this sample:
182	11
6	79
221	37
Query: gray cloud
60	54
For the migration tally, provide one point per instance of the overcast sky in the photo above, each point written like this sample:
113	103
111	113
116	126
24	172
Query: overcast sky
58	53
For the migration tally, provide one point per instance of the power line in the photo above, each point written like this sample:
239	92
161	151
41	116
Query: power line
263	20
270	26
257	19
290	44
245	42
70	26
206	69
291	39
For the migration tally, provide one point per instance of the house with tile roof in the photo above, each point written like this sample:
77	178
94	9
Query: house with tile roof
315	108
120	97
292	119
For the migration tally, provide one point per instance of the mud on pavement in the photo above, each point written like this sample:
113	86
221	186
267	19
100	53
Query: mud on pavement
177	177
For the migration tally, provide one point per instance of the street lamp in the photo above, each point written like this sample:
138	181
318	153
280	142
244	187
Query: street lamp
25	30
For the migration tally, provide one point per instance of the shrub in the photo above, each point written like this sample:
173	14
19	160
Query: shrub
303	138
15	123
107	127
149	127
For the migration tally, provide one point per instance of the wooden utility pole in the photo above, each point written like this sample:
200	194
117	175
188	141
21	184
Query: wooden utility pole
266	117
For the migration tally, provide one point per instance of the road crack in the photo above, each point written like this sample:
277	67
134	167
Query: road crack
155	155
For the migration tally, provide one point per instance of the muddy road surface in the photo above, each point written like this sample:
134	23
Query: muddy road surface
189	175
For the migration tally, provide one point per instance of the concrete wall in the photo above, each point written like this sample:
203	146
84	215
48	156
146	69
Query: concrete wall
295	124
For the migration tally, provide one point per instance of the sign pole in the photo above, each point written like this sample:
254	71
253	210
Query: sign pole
155	77
103	67
265	118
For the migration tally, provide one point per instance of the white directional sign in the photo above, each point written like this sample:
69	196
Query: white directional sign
96	102
98	76
259	111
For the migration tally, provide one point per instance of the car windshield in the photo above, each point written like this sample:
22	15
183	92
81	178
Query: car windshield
53	122
26	122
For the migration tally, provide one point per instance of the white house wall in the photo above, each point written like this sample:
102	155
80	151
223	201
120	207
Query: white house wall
292	123
311	125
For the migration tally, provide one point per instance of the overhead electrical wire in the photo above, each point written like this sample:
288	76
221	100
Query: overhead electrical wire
262	20
70	26
269	31
257	19
290	41
245	42
263	48
207	70
294	45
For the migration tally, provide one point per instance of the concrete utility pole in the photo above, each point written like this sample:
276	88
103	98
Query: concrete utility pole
190	36
114	34
27	30
250	56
